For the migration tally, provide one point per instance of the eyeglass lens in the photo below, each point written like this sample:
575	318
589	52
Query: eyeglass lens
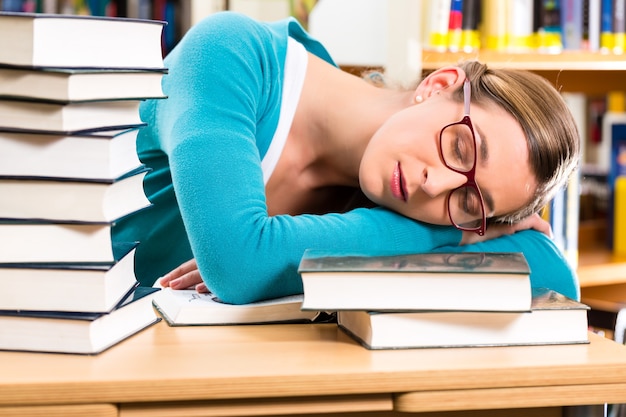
458	152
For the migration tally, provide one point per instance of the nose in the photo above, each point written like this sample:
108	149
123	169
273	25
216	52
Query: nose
441	180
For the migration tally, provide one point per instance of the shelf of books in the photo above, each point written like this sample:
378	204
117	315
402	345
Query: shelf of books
534	61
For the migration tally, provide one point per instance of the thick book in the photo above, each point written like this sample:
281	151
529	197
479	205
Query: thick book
103	155
72	85
73	41
485	281
77	333
46	242
94	288
69	117
554	319
72	200
190	308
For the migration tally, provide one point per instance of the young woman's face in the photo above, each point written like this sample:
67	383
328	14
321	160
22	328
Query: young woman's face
402	168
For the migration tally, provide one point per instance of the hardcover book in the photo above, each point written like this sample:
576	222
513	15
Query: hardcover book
69	118
93	288
103	155
71	85
188	307
45	242
72	201
441	281
77	41
77	332
554	319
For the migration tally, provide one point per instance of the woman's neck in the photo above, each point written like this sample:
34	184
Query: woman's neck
335	120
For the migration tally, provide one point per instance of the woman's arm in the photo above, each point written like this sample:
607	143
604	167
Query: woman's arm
549	268
222	89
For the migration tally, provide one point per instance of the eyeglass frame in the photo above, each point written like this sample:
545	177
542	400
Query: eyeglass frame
470	175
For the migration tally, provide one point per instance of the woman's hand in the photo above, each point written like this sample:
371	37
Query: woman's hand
183	277
534	222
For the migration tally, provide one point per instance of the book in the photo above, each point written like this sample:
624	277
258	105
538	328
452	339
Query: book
548	26
494	28
72	200
436	25
470	35
606	25
453	281
520	26
71	85
94	288
455	25
554	319
77	332
572	24
190	308
70	117
103	155
73	41
46	242
591	28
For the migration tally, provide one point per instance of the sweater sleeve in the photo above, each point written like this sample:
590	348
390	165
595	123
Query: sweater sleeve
224	76
548	266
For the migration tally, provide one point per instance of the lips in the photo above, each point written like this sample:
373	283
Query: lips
397	184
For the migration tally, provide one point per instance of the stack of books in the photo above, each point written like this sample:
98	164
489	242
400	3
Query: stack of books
70	87
434	300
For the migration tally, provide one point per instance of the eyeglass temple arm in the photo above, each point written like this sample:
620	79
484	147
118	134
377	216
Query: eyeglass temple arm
467	93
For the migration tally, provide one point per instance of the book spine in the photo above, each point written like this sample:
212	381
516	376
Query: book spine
619	220
592	26
606	25
494	24
572	24
619	26
436	24
455	25
470	36
520	26
548	32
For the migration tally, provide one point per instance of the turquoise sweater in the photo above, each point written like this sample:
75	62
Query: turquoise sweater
204	145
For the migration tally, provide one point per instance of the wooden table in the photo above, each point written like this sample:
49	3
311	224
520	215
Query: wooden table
294	369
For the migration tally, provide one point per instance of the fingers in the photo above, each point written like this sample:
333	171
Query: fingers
184	276
202	288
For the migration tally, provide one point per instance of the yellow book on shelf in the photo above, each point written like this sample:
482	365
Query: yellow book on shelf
619	221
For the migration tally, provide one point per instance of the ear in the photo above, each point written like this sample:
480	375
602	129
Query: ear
450	77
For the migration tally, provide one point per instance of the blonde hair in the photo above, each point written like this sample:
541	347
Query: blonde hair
551	131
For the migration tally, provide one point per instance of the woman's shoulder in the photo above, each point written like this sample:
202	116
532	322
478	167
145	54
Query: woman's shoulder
226	21
228	26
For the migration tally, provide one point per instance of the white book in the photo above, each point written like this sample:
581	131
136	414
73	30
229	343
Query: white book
104	155
188	307
554	319
77	41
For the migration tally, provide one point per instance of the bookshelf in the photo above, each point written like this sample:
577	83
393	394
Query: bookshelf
572	71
